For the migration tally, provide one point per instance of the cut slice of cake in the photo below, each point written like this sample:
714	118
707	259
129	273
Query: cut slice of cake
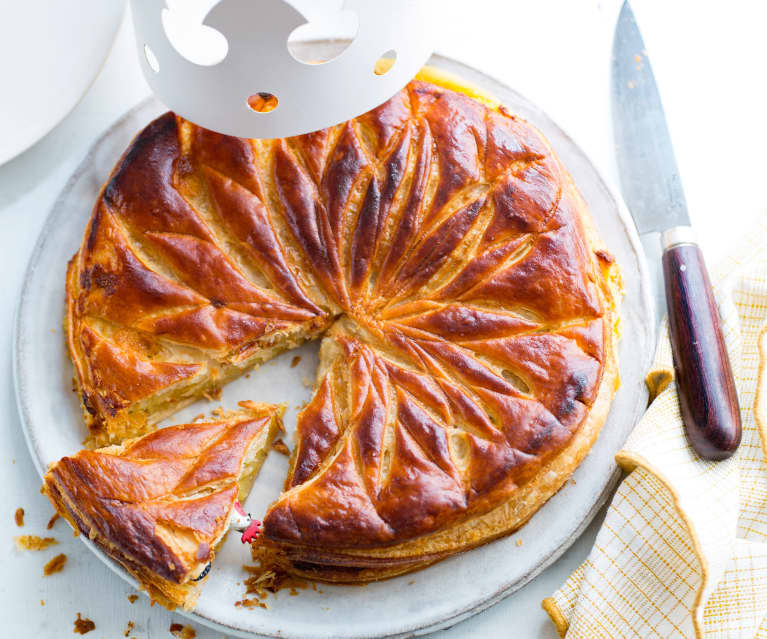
161	504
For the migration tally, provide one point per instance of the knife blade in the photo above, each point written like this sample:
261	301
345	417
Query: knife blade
653	192
648	172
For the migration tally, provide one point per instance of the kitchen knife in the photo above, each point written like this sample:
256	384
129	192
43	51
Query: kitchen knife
653	191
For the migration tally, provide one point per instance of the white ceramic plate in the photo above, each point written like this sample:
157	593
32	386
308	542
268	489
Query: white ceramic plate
50	53
436	597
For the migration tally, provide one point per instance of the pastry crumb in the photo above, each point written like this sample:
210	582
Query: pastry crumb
52	521
281	447
133	598
411	582
183	632
268	576
307	381
214	394
18	517
519	542
55	565
33	542
250	603
42	602
295	361
83	625
128	630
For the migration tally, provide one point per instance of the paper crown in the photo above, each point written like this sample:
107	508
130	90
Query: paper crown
235	68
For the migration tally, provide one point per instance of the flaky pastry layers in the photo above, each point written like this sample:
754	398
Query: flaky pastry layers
468	309
160	504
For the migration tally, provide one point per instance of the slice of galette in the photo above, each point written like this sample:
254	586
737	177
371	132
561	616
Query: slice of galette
161	504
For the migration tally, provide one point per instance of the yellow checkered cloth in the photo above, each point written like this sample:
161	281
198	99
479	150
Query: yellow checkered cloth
683	548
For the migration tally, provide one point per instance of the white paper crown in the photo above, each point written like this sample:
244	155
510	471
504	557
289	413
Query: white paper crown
230	68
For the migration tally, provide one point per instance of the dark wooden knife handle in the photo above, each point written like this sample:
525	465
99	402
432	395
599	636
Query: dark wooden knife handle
707	394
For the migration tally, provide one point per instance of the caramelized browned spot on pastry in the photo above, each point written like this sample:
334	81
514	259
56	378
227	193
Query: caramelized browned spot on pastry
160	504
467	306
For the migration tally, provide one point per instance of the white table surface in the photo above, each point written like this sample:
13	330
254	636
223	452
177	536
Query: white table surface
708	59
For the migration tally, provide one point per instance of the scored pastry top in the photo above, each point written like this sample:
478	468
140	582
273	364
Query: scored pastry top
160	504
441	239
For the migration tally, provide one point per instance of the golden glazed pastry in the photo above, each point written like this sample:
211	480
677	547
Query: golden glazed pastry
467	306
161	504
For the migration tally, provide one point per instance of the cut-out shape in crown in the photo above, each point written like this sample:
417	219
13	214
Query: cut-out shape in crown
248	83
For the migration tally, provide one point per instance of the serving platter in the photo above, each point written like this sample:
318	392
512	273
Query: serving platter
436	597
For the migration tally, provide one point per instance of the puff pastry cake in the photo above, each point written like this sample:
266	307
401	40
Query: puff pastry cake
467	307
161	504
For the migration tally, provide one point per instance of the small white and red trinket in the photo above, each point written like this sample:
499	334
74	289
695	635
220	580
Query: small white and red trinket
244	523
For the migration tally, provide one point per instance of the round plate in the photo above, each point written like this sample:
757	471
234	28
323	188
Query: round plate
53	424
51	56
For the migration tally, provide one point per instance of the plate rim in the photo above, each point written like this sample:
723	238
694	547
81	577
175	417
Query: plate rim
646	305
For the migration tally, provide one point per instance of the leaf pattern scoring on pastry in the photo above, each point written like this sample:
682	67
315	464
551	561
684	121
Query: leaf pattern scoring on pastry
160	504
438	245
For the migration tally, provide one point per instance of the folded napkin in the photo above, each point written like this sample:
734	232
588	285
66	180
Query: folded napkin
682	551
